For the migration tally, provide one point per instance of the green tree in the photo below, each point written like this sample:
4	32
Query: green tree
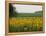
12	11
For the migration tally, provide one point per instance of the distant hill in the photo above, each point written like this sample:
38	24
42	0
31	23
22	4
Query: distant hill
37	13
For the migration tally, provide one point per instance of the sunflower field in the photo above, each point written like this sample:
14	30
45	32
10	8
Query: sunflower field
25	24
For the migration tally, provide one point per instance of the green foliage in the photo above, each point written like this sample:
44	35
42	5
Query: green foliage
24	28
12	11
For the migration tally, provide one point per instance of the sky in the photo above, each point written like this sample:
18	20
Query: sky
27	8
